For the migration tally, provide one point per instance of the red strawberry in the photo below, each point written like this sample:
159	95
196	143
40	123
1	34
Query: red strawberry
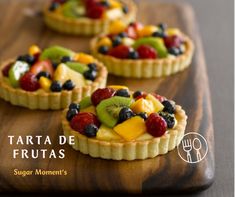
121	52
95	11
29	82
172	41
156	125
159	97
132	29
146	52
81	120
44	65
5	70
101	94
90	3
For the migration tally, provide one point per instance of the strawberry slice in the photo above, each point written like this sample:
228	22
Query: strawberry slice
147	52
40	66
95	11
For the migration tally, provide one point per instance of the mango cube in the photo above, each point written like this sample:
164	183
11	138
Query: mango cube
131	128
156	103
106	133
173	31
90	109
142	105
147	30
45	83
117	27
104	42
116	87
84	58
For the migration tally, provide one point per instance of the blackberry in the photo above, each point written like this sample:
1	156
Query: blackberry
74	106
66	59
92	66
174	51
117	41
137	93
133	55
143	115
27	58
90	75
103	50
43	74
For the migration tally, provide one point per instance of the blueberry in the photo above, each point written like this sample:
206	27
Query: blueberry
174	51
103	50
90	75
105	3
92	66
169	118
43	74
90	130
123	93
122	34
66	59
27	58
133	55
56	86
143	115
68	85
168	107
125	9
159	34
162	26
71	113
54	6
125	114
137	93
117	41
74	106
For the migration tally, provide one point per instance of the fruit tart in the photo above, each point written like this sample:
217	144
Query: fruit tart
115	123
87	17
143	51
50	79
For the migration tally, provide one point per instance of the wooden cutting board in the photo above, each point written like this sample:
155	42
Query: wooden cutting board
22	25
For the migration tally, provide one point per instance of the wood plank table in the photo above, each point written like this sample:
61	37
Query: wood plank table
163	174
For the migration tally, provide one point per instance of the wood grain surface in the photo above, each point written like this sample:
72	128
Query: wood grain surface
163	174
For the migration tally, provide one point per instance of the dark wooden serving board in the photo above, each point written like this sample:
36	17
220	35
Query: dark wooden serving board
22	25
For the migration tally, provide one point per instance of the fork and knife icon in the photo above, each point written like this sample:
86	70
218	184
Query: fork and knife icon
188	145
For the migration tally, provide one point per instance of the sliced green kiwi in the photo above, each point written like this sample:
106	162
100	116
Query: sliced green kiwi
55	53
156	43
85	102
16	71
108	109
73	9
81	68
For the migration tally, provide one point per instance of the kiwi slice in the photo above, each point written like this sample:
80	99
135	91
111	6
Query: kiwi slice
55	53
108	109
81	68
85	102
73	9
156	43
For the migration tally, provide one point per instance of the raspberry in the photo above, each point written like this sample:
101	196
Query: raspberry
121	52
172	41
156	125
146	52
29	82
95	11
101	94
80	121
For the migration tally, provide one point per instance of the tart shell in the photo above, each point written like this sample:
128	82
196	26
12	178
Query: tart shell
146	68
85	26
49	100
128	150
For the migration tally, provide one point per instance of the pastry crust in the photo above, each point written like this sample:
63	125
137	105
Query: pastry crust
49	100
146	68
128	150
85	26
